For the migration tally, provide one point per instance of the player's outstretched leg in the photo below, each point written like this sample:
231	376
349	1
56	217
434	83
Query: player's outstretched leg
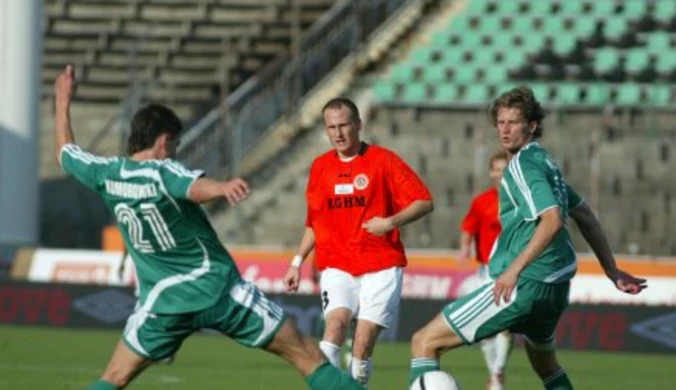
306	356
428	344
124	366
543	360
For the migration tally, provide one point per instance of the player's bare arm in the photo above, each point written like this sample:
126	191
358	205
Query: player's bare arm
64	88
381	225
205	190
465	247
550	224
292	277
593	233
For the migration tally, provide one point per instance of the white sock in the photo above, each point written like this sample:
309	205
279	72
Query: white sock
503	346
331	351
488	347
361	370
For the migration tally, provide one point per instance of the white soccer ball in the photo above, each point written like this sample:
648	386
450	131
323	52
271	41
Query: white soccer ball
435	380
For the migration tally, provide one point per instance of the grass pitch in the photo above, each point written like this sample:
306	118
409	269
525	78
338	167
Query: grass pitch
41	358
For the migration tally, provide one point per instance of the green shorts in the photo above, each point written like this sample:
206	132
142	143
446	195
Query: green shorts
533	311
243	313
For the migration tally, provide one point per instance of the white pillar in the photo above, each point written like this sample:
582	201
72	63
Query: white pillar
20	61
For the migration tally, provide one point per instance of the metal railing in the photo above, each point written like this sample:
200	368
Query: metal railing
277	89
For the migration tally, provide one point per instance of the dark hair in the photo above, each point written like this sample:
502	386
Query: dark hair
524	99
149	123
499	155
340	102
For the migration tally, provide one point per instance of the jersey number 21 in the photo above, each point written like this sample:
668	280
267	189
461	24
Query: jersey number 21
151	214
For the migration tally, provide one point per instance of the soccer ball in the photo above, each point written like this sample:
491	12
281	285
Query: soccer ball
435	380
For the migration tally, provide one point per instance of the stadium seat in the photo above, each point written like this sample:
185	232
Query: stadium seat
484	57
602	8
414	93
596	94
435	73
554	27
476	94
508	7
539	8
564	44
453	55
628	94
635	9
664	11
403	72
440	39
464	74
605	60
541	91
666	64
495	75
384	91
572	8
568	93
637	60
661	95
658	42
584	26
445	93
615	27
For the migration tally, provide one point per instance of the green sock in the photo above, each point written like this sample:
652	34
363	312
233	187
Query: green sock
328	377
420	366
558	381
102	385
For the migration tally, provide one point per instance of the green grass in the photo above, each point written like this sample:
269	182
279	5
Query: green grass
38	358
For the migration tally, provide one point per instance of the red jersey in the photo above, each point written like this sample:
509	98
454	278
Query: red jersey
342	195
483	223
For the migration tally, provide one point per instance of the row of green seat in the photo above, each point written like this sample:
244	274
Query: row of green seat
663	9
594	94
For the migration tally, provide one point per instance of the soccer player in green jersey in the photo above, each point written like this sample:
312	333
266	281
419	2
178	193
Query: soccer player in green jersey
187	279
533	259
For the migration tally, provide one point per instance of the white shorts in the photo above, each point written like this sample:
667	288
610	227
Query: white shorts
372	297
475	281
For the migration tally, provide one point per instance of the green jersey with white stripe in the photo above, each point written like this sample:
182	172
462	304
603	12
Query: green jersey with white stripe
531	184
181	265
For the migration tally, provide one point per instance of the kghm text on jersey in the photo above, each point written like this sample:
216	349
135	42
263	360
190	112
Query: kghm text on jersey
130	190
344	202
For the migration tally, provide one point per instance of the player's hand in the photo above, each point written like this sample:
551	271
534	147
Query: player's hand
378	226
64	86
292	279
629	284
505	285
235	191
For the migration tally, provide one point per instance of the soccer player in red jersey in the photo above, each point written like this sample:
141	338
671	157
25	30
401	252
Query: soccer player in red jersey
482	225
358	195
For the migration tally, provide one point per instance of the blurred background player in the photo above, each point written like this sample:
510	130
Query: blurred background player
358	195
482	225
187	279
533	259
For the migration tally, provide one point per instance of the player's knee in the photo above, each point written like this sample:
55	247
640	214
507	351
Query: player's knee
419	343
336	326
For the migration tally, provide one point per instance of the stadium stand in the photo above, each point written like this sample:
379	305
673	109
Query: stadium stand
130	52
587	53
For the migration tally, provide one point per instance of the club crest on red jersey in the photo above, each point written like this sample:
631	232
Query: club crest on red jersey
361	181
